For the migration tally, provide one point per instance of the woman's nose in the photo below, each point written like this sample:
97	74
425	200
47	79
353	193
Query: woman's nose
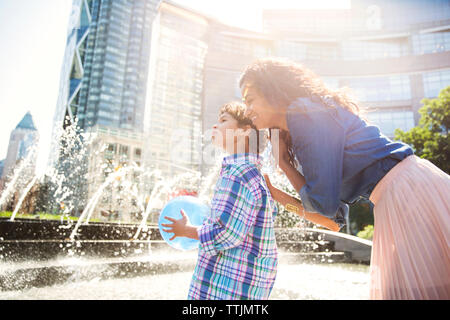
214	126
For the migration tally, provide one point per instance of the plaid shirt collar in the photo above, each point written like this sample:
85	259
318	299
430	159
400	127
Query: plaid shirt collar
242	158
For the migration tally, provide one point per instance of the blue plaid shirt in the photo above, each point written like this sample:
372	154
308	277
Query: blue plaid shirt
237	256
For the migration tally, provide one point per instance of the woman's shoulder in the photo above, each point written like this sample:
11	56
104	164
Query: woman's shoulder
316	106
309	114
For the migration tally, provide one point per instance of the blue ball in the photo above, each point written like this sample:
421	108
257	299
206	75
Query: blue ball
197	213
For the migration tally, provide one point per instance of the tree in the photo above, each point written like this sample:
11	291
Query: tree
360	215
430	139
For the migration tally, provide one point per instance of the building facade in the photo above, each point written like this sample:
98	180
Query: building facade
103	79
23	141
175	89
109	151
392	54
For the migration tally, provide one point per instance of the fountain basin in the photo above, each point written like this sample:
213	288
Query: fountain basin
42	240
38	254
38	274
166	275
26	275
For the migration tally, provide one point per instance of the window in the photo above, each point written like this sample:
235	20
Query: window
388	121
137	152
368	50
391	88
123	151
111	147
434	82
431	42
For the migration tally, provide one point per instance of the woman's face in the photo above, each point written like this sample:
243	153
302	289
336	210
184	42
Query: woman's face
259	110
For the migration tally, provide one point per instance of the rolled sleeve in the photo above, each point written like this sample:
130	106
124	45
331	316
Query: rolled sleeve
339	212
326	204
206	235
235	208
341	215
305	200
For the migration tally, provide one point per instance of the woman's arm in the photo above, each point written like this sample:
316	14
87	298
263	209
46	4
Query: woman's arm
294	205
281	155
296	179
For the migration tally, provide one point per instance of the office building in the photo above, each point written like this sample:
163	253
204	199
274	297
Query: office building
103	78
22	140
392	54
173	116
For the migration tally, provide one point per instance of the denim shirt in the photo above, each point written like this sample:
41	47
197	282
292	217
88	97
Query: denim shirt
342	156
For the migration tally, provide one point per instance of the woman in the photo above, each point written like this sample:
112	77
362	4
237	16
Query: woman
344	158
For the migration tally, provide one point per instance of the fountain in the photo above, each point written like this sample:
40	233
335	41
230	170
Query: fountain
20	170
45	259
22	198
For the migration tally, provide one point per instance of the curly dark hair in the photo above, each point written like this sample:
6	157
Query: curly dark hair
281	81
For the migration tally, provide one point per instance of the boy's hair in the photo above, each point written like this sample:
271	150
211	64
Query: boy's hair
237	111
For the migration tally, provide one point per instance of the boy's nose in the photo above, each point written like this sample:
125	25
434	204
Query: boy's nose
214	126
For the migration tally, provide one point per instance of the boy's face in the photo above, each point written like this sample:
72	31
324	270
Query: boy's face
227	134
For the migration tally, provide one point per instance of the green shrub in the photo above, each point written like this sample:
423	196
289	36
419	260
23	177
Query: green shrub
361	215
366	233
39	215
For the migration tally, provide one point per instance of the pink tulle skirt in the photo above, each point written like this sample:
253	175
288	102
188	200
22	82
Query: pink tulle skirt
410	253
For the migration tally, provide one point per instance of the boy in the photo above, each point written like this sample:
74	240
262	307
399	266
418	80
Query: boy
237	256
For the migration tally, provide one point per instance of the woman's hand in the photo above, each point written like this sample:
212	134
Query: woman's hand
181	227
269	184
273	191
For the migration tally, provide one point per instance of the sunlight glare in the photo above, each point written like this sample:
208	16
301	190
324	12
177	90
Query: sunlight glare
248	14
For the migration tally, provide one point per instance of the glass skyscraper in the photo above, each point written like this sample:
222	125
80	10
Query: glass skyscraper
104	73
103	85
175	87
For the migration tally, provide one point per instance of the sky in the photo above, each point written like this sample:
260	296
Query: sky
34	32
